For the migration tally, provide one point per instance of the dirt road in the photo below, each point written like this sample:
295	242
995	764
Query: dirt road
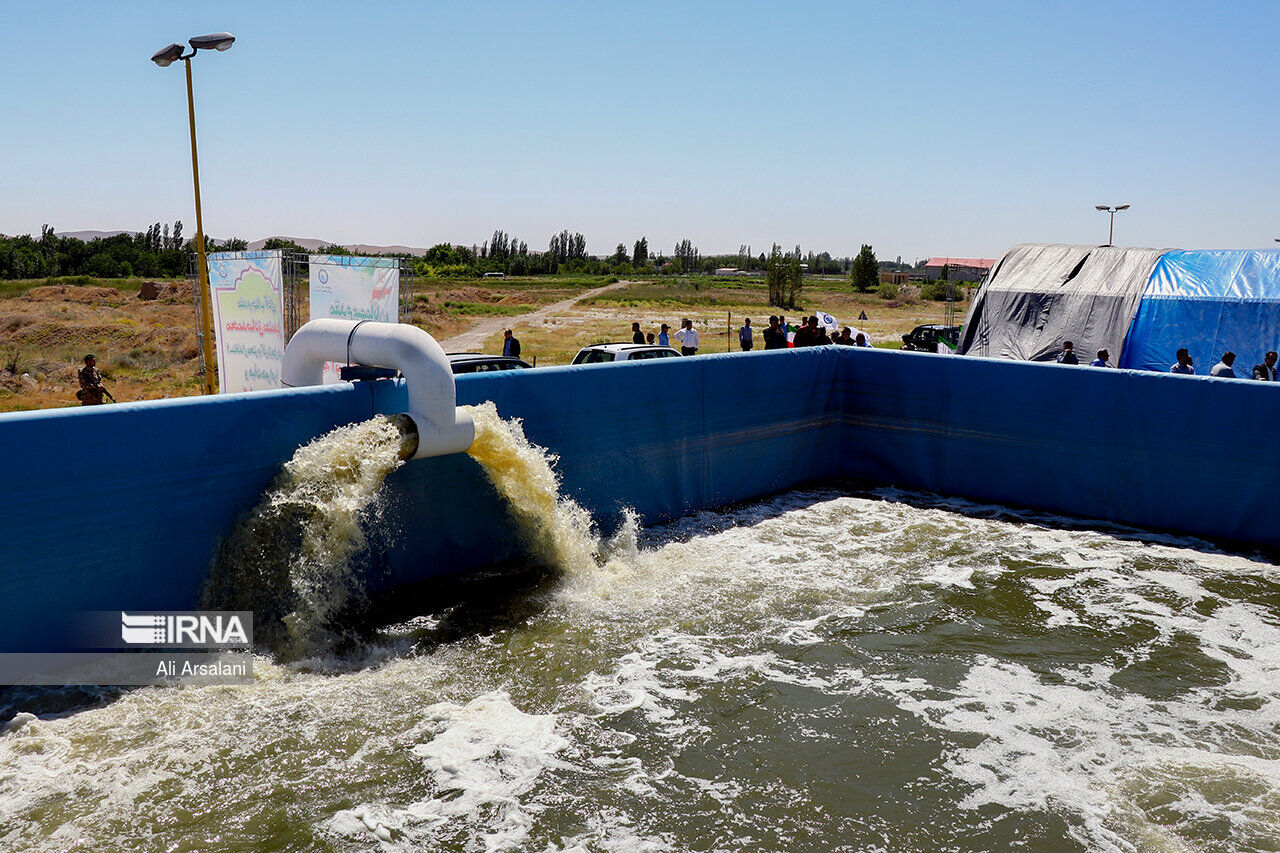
472	339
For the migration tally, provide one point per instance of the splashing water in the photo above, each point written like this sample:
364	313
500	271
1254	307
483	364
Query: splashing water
823	670
290	559
557	531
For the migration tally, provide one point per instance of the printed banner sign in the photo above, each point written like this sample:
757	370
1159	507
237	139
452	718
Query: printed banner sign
350	288
248	319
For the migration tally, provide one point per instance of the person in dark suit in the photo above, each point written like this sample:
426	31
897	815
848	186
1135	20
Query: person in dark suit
1267	370
775	337
510	344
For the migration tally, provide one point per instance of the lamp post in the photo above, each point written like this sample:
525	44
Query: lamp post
164	58
1111	210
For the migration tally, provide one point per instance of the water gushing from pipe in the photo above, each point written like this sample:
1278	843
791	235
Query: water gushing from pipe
556	530
294	559
290	559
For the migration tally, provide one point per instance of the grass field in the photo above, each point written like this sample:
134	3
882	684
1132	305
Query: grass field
149	349
718	307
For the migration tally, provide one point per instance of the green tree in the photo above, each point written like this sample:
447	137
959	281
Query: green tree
686	255
866	271
775	276
640	255
794	278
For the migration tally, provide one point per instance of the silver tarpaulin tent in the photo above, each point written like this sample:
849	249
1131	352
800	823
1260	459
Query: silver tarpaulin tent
1041	294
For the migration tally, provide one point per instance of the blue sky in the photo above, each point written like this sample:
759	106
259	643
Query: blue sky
923	128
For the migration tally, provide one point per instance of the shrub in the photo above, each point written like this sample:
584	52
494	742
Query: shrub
934	291
887	290
449	271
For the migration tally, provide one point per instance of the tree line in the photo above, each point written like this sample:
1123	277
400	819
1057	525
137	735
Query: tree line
162	252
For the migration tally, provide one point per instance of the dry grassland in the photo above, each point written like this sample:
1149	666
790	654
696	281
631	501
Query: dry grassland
148	349
717	313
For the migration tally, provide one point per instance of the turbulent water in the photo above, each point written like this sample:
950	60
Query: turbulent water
294	559
555	530
829	669
290	558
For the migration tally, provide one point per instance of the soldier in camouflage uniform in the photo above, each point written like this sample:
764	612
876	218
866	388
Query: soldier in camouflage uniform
91	390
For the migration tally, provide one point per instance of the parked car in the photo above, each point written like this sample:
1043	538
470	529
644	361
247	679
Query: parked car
478	362
925	338
600	353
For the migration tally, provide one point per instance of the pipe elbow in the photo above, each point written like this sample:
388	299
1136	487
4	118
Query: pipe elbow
441	439
441	427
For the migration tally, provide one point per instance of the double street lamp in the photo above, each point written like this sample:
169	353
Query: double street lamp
1112	210
164	58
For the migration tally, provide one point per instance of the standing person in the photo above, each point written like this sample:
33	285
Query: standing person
91	390
1068	354
906	343
663	339
845	338
1223	368
1267	370
744	336
648	339
774	336
510	344
807	335
637	336
688	338
860	340
1184	364
1101	360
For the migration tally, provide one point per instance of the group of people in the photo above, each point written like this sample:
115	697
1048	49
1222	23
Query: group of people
687	335
1265	372
781	335
1225	368
778	335
1068	356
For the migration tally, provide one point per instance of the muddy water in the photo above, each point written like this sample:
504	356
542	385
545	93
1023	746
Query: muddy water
825	670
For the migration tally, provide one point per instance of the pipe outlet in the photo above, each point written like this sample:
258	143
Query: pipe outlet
442	427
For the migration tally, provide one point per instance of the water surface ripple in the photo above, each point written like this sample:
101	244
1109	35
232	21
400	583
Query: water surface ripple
825	670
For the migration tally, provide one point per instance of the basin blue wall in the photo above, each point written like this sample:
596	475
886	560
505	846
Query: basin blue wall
121	507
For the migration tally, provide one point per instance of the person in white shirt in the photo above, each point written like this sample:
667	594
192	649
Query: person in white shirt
744	336
688	338
1223	368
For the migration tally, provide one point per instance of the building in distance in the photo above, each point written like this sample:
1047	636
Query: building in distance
959	269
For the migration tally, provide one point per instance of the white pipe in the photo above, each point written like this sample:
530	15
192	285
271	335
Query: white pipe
443	428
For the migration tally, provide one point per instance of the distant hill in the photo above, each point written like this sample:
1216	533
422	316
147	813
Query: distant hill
92	235
312	244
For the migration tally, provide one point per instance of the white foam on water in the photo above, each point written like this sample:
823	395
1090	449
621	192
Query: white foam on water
1070	742
577	728
483	758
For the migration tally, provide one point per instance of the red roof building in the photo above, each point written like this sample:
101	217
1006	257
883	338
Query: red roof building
959	269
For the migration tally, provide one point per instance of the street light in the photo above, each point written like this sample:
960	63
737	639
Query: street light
1111	210
165	57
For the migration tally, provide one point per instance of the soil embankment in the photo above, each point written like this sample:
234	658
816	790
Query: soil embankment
145	348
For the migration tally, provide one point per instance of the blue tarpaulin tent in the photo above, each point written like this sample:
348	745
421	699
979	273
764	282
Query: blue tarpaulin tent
1140	304
1208	302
